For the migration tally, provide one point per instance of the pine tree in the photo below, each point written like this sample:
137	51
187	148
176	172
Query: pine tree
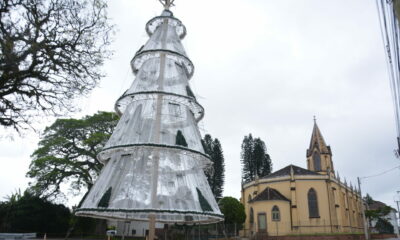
246	158
255	159
262	160
219	169
216	176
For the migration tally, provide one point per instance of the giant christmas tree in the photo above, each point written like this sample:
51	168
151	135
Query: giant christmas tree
154	160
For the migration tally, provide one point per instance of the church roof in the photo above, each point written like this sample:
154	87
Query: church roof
317	141
269	194
286	171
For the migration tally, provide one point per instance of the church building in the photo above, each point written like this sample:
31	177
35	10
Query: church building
294	200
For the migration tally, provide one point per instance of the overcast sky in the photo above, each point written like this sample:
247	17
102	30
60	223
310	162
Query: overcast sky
265	67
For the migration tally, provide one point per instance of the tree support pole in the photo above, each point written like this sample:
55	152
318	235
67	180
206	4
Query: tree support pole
156	136
397	220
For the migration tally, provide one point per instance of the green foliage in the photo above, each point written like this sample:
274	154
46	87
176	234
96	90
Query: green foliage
67	153
180	139
233	210
384	226
378	213
372	214
84	226
215	176
105	199
205	206
255	159
29	213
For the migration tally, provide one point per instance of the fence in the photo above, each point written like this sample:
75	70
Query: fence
299	228
273	228
221	231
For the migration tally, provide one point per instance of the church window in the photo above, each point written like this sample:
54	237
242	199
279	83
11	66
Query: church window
317	161
276	215
251	215
249	198
312	204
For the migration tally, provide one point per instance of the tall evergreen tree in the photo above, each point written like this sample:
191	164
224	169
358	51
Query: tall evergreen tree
262	160
255	159
216	176
246	158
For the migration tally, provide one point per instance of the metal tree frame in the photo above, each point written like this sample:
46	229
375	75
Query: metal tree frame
154	160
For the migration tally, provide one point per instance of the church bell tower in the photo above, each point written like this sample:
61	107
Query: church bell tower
319	155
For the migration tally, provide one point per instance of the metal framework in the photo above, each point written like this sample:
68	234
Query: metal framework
154	160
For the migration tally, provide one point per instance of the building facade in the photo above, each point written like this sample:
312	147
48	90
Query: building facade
294	200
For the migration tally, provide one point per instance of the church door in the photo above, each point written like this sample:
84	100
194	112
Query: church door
262	222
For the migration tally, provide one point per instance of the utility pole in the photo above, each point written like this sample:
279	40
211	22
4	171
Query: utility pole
363	211
398	213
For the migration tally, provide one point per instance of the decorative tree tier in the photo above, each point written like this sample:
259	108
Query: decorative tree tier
154	160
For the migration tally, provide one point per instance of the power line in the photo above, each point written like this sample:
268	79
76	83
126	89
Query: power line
379	174
389	26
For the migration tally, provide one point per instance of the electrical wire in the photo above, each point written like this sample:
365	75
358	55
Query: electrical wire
380	174
389	26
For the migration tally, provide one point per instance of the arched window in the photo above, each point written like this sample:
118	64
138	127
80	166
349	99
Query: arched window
251	215
276	215
317	161
248	200
312	204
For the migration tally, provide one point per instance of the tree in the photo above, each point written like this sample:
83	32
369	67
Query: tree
216	176
384	226
368	199
378	212
29	213
246	155
67	153
255	159
262	160
51	53
233	211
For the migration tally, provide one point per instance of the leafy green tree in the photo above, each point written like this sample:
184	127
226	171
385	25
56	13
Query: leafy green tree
29	213
378	214
384	226
233	211
51	52
67	153
216	176
255	159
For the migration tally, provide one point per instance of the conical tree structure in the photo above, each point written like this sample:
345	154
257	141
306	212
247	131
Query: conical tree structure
154	160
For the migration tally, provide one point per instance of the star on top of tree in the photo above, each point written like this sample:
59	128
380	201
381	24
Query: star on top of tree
167	3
